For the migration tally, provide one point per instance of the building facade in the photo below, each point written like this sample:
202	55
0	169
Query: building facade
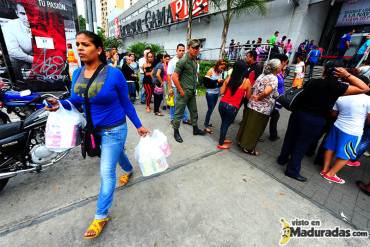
104	15
164	22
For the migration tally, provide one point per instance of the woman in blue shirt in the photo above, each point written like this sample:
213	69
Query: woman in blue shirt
108	96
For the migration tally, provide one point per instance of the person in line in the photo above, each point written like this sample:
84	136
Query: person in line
275	114
213	81
232	50
363	51
313	58
344	44
172	90
288	47
148	79
235	88
345	136
114	61
260	106
185	80
159	80
299	73
141	62
135	66
273	38
307	121
130	76
110	105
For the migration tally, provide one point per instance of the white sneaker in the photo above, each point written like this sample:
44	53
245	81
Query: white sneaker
367	154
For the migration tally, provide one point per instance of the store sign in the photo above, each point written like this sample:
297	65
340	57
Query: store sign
176	11
354	13
36	33
117	31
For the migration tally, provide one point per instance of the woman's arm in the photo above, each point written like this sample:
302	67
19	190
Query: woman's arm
357	86
223	88
268	90
158	75
247	88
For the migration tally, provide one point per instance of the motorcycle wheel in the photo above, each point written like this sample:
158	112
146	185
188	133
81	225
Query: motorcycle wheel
3	183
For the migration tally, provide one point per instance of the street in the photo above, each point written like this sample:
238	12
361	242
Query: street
206	198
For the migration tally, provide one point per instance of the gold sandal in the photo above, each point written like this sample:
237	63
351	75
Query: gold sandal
124	179
96	227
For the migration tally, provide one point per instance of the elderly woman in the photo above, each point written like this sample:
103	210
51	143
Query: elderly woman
260	106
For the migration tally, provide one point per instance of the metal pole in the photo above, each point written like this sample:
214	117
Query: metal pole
89	16
93	10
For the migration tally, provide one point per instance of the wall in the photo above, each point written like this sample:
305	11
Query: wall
303	22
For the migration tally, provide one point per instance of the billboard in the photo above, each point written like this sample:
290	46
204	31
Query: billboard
354	13
36	35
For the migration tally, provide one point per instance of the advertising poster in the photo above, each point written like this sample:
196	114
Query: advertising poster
354	13
37	34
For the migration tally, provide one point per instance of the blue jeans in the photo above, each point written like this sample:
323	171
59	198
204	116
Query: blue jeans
212	99
365	142
228	114
173	108
303	129
131	89
142	90
112	151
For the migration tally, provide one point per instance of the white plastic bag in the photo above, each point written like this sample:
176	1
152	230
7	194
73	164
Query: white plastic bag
151	153
63	129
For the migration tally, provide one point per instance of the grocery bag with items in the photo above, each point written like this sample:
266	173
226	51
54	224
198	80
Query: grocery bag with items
151	153
63	129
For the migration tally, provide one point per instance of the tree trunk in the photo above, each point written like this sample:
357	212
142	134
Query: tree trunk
190	19
225	30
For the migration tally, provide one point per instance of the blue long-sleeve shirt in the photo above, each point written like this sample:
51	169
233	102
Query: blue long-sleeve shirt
108	97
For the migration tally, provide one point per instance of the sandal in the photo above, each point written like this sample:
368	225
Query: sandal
158	114
228	142
210	125
188	122
223	147
148	109
96	227
251	152
208	130
124	179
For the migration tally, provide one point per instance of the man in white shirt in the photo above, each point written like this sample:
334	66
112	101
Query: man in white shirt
180	51
141	62
18	39
345	135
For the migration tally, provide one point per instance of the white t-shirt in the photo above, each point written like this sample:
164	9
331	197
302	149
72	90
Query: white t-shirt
171	67
299	68
353	112
142	61
365	71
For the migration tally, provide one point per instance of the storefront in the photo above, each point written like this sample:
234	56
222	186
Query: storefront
164	22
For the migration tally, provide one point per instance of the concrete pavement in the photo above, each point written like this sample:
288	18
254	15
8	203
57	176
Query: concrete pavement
205	198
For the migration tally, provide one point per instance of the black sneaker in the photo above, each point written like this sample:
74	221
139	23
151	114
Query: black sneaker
177	136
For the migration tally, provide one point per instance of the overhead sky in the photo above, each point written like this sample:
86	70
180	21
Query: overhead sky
81	9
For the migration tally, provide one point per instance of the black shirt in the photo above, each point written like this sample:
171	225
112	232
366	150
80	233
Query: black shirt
320	95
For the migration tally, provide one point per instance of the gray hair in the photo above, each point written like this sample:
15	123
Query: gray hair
271	66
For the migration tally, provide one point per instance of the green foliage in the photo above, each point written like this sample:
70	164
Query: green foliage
110	42
139	47
82	23
204	66
242	6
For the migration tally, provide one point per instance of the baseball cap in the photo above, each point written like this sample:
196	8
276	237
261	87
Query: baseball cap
193	43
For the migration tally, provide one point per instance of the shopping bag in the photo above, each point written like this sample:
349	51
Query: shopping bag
63	129
170	99
150	156
161	141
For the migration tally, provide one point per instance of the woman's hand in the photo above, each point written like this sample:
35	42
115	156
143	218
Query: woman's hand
341	73
54	104
255	98
142	131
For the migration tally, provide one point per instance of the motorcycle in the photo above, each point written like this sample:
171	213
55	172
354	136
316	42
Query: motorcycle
20	102
22	146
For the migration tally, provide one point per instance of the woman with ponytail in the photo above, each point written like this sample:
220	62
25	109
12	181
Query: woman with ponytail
260	106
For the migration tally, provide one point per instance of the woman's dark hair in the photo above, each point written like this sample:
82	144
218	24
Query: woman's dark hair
237	76
166	56
252	54
98	42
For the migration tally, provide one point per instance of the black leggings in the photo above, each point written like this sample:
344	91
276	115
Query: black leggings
157	102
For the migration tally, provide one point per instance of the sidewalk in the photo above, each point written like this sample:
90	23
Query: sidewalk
206	198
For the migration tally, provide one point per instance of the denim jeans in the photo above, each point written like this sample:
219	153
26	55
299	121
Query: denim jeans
365	142
142	90
303	129
112	151
310	72
131	89
228	114
173	108
212	99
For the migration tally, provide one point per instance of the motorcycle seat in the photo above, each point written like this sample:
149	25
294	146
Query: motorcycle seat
9	129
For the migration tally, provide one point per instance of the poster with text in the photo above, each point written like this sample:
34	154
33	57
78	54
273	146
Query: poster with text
37	34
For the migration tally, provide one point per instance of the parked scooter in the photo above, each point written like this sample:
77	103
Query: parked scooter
22	146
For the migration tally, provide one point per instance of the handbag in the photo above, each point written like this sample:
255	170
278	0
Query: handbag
90	139
289	99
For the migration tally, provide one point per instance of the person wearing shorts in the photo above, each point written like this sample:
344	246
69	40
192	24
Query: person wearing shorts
345	136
